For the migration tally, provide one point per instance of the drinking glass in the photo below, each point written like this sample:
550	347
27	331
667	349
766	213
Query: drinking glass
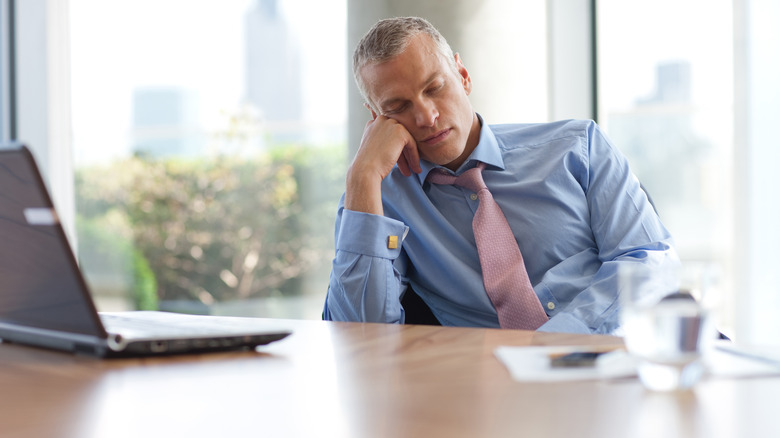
665	314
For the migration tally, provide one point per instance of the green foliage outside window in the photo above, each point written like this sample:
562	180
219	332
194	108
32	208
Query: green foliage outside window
207	230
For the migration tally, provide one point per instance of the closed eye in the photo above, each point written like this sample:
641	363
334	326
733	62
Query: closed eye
435	88
395	109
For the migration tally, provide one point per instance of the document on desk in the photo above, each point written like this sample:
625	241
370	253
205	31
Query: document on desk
729	359
536	364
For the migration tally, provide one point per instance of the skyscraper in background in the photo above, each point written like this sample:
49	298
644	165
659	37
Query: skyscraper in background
168	121
273	72
673	84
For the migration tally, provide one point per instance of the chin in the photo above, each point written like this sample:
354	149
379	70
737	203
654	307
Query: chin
439	160
443	154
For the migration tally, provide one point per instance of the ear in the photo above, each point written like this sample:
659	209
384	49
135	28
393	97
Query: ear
465	79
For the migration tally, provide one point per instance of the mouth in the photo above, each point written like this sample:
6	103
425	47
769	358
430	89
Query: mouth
437	137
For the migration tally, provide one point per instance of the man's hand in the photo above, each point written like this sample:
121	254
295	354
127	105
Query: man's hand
385	142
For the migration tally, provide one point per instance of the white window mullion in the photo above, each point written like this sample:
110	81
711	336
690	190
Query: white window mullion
570	59
757	104
43	96
5	70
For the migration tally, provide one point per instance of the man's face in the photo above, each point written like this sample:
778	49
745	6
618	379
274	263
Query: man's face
421	91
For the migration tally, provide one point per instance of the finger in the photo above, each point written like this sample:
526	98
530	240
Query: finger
403	165
412	157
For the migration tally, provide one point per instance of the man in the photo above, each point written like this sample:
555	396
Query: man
574	207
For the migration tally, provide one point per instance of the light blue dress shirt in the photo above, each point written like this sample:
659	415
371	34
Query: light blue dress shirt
573	204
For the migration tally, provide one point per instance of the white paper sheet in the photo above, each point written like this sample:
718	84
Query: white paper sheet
532	364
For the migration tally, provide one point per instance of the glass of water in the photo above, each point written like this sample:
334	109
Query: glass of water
665	317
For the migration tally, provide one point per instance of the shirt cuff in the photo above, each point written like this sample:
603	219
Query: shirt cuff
370	234
565	323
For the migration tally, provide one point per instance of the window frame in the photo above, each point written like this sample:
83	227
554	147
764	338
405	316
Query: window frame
7	76
42	97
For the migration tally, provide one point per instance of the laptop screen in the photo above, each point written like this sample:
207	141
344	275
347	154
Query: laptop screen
40	285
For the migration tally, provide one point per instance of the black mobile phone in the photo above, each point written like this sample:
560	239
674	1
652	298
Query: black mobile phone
576	360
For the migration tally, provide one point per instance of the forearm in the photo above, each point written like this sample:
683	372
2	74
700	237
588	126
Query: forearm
385	143
363	191
595	309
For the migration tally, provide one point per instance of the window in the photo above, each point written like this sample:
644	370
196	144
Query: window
209	144
696	84
666	91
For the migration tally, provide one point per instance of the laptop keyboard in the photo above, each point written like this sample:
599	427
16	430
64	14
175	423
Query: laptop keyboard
177	325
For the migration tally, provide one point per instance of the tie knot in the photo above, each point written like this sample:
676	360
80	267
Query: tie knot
470	179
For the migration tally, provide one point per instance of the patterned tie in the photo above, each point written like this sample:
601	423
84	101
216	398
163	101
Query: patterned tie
503	269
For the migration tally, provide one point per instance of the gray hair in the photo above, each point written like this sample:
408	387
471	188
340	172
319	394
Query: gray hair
388	38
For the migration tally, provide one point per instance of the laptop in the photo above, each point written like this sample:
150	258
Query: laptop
45	300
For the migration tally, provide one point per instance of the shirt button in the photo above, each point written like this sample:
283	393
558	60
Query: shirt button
551	305
474	197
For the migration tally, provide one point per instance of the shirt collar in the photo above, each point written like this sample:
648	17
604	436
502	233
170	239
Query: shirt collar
487	151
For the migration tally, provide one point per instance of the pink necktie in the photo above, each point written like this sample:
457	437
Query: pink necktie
503	269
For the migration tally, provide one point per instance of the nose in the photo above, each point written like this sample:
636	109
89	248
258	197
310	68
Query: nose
426	114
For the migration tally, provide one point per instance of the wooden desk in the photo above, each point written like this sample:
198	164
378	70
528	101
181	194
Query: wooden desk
360	380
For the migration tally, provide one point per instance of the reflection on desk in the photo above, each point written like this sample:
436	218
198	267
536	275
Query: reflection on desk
360	380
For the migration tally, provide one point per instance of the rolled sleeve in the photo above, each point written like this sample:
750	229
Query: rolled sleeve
565	323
